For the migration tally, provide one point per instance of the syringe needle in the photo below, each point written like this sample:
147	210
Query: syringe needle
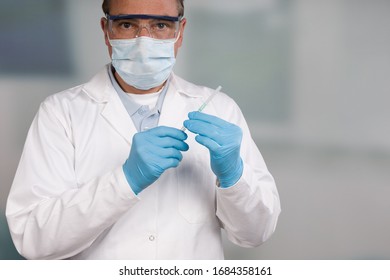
201	108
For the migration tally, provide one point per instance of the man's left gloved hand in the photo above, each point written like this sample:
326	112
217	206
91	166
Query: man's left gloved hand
223	139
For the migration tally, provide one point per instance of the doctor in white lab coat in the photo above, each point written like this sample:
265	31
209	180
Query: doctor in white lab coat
95	182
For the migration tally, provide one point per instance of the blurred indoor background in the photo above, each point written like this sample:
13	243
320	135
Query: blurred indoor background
311	76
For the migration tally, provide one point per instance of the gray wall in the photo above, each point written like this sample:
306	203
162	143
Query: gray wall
311	77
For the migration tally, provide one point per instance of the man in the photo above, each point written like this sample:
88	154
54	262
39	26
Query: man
107	173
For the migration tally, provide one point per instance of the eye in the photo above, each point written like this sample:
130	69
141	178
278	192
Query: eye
162	25
124	24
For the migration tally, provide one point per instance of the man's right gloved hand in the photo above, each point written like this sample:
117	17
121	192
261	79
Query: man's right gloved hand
152	152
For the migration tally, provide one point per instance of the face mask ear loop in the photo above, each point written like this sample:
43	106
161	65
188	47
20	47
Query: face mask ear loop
177	38
108	37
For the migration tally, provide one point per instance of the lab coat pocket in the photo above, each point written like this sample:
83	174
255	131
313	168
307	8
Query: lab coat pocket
196	185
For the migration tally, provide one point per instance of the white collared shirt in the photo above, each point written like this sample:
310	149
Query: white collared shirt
143	109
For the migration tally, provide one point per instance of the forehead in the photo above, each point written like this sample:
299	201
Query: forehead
151	7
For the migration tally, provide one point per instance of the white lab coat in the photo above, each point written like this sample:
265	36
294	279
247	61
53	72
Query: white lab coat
70	198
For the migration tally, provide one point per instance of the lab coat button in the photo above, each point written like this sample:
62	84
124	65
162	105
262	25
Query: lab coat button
152	238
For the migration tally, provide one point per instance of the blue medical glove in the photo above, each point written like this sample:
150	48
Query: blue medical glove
223	139
152	152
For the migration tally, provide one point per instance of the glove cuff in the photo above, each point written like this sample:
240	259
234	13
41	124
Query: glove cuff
136	189
233	177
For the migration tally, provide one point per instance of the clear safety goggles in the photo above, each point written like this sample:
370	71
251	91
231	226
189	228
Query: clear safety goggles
130	26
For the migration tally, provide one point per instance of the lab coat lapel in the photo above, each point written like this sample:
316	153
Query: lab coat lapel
182	98
101	91
116	115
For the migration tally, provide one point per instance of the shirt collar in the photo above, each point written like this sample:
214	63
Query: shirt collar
131	106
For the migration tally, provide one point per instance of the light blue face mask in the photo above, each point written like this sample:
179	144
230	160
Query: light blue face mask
143	62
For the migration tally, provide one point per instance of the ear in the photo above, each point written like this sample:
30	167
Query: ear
104	27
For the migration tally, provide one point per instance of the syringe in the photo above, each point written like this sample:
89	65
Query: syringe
201	108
